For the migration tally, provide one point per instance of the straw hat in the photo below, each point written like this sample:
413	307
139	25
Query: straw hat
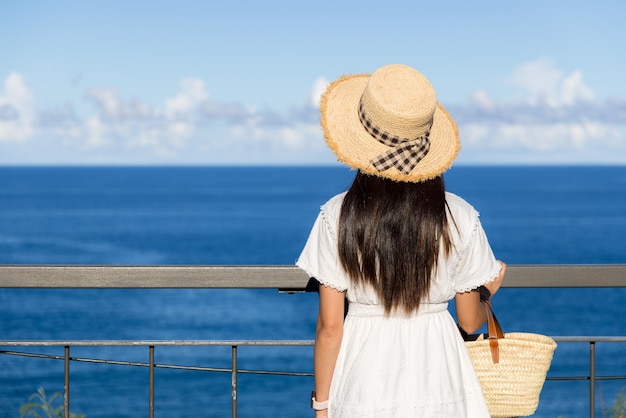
389	124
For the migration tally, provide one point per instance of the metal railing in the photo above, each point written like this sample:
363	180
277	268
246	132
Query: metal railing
283	278
151	365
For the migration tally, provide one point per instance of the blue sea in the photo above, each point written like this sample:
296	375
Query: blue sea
262	215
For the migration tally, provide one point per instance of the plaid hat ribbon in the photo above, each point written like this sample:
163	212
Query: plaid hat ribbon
406	152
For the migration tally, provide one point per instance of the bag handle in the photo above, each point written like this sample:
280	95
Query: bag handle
495	331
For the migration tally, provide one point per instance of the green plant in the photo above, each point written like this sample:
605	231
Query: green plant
618	410
39	403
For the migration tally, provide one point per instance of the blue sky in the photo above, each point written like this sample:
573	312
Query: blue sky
238	82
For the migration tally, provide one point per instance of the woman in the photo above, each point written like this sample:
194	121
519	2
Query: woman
399	248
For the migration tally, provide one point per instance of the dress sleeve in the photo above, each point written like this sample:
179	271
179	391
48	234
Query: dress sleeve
319	258
477	265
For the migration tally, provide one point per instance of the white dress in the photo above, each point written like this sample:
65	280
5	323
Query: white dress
404	366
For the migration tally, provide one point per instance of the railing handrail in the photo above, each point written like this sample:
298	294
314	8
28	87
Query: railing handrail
239	343
274	276
158	343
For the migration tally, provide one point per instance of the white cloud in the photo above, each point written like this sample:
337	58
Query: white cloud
541	82
482	100
319	87
542	137
573	90
135	125
114	109
553	114
95	132
192	93
17	114
538	78
107	101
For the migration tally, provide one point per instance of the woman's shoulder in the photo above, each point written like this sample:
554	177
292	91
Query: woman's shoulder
331	210
461	210
458	202
333	205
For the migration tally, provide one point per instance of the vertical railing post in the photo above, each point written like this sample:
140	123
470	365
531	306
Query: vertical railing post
66	382
234	380
151	383
592	379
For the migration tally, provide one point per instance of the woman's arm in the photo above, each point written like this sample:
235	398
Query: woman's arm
327	340
470	314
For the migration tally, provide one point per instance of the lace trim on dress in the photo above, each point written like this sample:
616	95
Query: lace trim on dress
463	251
331	285
473	286
321	281
489	276
329	225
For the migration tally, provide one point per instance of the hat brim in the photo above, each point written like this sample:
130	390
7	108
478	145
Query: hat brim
355	147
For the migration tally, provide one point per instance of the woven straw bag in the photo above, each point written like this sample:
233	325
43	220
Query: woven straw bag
511	368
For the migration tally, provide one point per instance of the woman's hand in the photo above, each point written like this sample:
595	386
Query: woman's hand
494	285
321	414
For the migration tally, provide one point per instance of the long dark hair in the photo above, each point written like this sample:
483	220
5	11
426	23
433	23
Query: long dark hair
390	236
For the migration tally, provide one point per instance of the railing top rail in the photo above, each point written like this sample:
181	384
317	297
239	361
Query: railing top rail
278	277
153	343
238	343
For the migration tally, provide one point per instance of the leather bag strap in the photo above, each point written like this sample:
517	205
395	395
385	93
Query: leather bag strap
495	332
